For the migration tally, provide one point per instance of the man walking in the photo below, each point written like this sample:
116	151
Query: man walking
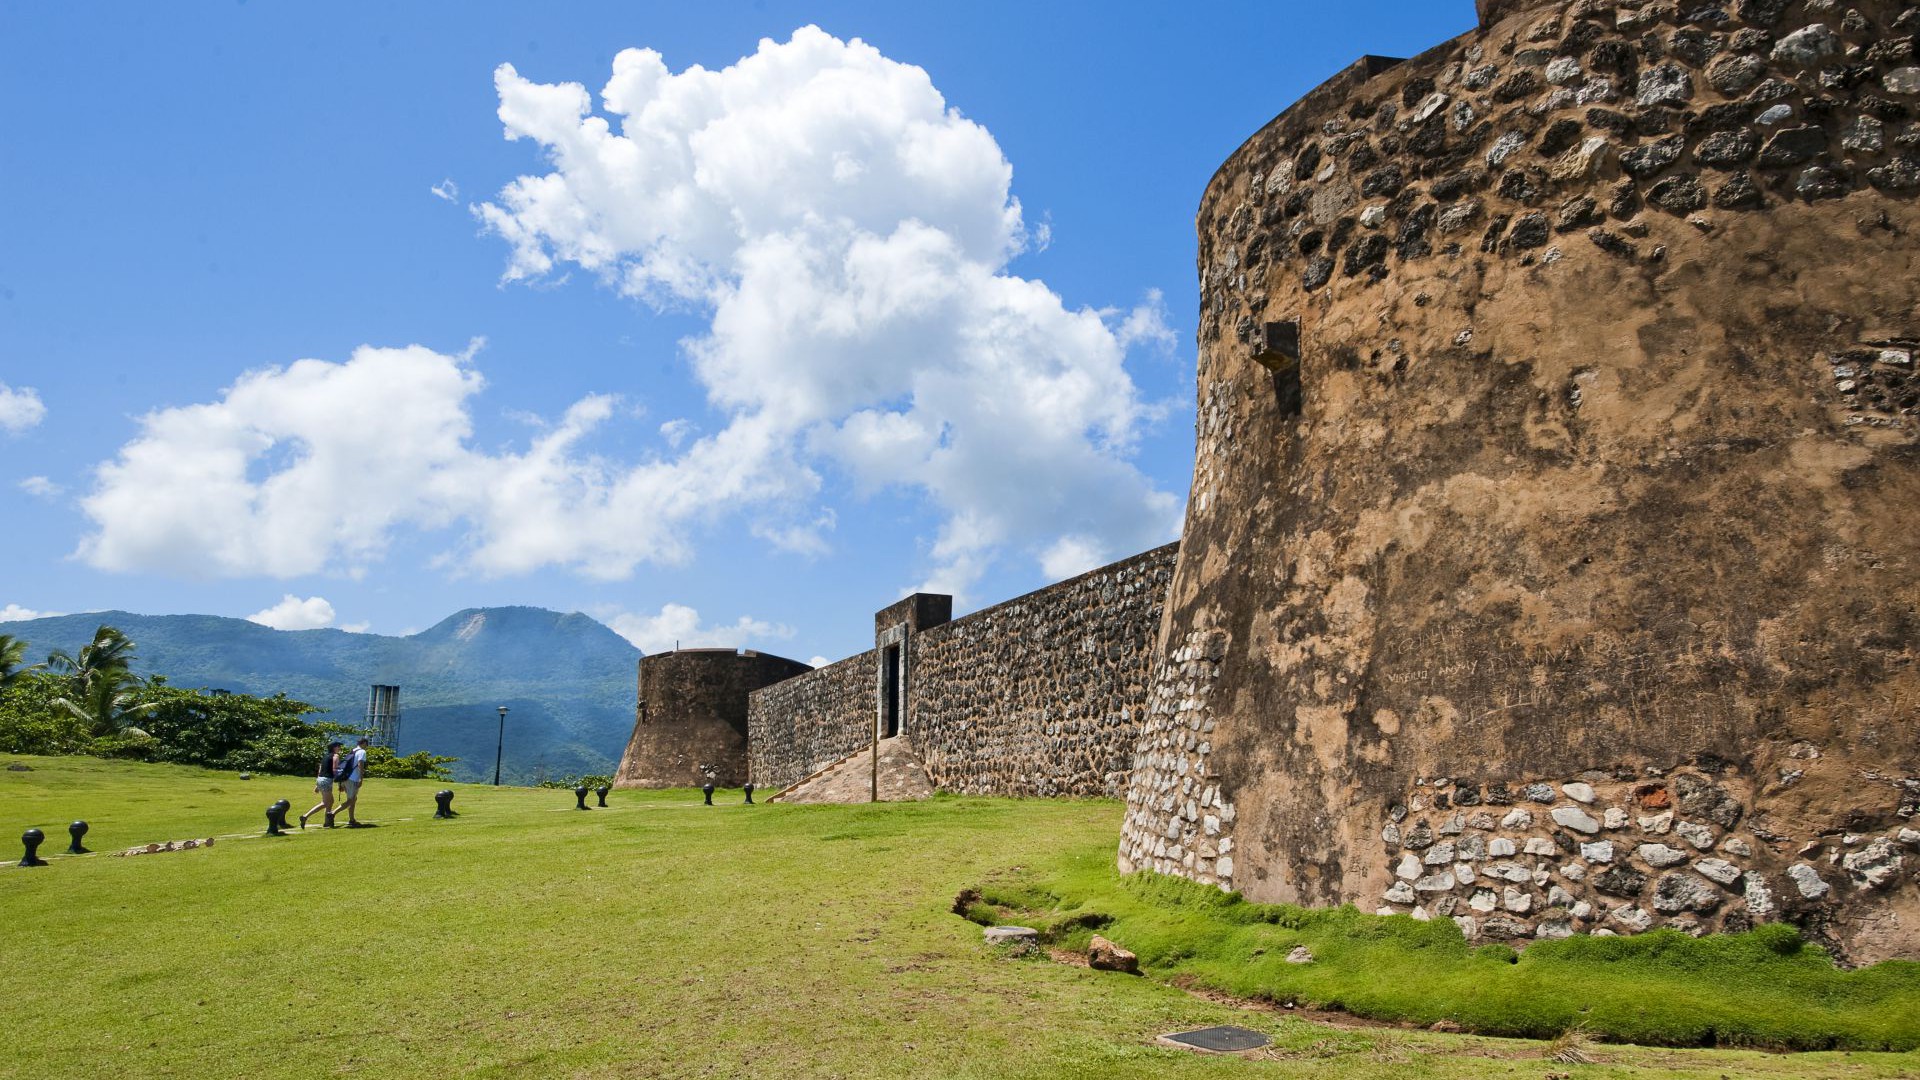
354	770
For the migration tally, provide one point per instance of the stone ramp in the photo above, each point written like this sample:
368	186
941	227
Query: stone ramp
850	780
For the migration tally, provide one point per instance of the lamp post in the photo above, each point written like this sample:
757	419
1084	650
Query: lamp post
500	745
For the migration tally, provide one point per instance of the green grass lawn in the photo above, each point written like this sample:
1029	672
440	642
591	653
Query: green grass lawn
656	938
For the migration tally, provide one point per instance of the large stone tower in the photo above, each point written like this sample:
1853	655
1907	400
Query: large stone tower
690	725
1553	557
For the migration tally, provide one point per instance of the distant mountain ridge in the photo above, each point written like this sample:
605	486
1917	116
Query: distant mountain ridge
567	680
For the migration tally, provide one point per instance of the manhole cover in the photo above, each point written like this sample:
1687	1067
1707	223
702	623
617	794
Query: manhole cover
1218	1040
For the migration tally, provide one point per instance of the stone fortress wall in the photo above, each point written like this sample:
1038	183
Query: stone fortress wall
691	720
810	721
1044	694
1551	559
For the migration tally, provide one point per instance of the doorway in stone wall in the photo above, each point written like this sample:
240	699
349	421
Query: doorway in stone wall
890	693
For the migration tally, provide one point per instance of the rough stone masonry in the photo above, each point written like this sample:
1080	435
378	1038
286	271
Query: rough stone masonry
1551	558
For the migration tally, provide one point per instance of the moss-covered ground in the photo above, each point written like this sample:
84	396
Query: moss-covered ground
663	938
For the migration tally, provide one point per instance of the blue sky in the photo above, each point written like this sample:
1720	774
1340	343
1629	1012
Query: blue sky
786	345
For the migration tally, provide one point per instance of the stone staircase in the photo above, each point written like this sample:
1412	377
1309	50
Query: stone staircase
850	780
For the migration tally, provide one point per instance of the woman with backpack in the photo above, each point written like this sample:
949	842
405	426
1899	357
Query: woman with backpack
323	784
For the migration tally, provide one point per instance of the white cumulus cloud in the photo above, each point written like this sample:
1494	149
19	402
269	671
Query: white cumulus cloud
293	613
16	613
283	475
41	488
446	190
20	409
848	232
678	624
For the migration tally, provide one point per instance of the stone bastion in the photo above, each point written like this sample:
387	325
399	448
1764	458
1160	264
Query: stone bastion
1551	557
690	725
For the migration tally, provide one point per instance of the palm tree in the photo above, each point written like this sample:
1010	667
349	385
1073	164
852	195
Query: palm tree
102	689
109	704
109	653
12	651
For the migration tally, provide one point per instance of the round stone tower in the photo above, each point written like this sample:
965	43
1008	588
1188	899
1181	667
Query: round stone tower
1553	555
691	722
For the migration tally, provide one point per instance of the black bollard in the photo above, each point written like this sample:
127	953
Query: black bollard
602	792
76	830
749	793
443	804
580	794
277	817
32	838
707	788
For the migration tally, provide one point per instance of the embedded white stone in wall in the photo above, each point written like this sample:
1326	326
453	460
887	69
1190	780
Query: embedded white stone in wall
1696	834
1409	867
1401	893
1572	817
1660	855
1633	918
1719	870
1539	845
1600	851
1517	819
1658	824
1615	818
1578	792
1499	846
1807	880
1516	901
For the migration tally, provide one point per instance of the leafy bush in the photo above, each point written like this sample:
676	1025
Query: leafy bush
420	765
592	780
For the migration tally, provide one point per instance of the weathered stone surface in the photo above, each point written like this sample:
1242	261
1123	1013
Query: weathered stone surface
1736	74
1873	866
1663	84
1678	891
1695	833
1806	46
1792	146
1572	817
1904	80
1620	881
1808	881
1680	194
1503	516
1719	870
1299	954
1660	855
1600	851
1019	940
1726	149
1645	160
1104	955
696	726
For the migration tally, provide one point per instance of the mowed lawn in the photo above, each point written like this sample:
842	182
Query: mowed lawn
655	938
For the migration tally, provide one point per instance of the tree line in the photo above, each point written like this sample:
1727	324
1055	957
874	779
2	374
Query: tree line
92	702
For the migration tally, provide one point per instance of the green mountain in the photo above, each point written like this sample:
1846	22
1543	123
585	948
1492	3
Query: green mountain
568	681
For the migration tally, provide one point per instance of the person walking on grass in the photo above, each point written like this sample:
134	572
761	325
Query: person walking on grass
354	770
323	784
